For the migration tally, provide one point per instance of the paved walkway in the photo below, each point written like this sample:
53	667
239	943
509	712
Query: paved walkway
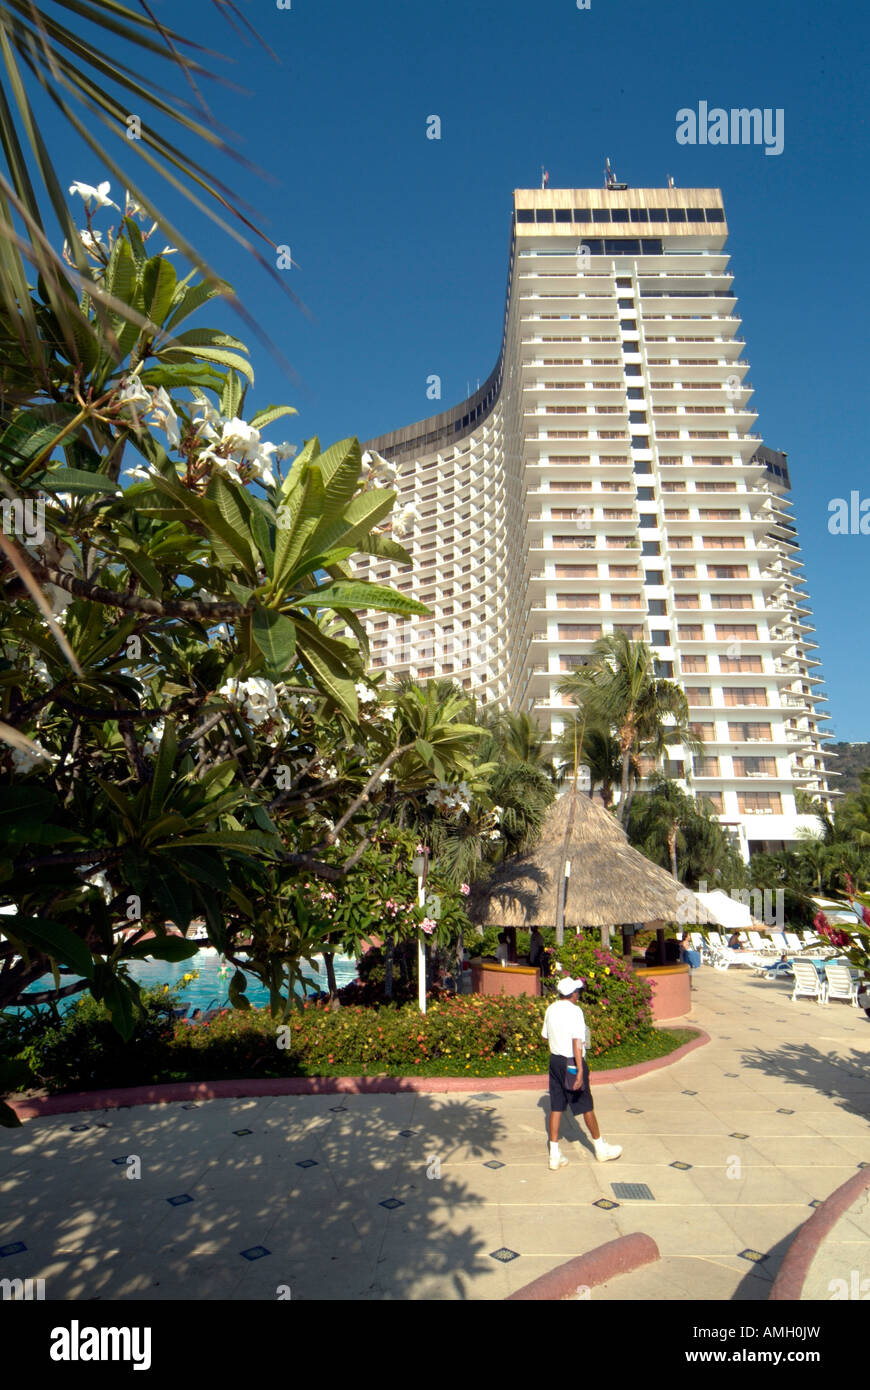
770	1117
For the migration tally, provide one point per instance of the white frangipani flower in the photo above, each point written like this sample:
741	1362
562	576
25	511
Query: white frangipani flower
163	415
24	761
98	195
131	391
151	747
260	700
365	694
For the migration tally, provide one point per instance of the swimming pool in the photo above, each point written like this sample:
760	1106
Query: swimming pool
211	988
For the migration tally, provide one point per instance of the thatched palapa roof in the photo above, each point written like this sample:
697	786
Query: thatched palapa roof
610	882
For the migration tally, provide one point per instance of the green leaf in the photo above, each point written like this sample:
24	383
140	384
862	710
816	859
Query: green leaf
222	356
176	375
118	997
275	635
140	564
208	337
193	298
163	769
75	480
53	940
158	283
359	594
171	948
425	750
270	414
238	985
328	671
244	840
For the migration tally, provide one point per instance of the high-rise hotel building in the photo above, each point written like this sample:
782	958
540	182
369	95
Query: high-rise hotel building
606	478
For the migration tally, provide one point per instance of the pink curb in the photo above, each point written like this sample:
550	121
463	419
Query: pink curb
596	1267
167	1092
789	1282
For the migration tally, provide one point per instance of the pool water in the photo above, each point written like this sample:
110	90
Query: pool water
211	988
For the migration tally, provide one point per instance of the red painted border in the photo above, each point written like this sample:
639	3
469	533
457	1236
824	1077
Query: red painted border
789	1282
121	1097
619	1256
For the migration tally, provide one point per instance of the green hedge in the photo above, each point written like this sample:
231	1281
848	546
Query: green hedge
458	1036
84	1052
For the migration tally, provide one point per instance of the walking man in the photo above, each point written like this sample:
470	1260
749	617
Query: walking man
565	1030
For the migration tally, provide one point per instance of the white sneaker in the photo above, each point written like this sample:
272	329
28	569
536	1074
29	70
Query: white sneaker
557	1161
604	1151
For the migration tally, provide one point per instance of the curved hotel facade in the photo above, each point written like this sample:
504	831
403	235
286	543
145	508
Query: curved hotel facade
606	478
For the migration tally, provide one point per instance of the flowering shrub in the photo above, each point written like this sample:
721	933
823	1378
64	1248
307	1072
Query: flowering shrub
857	946
616	1004
84	1052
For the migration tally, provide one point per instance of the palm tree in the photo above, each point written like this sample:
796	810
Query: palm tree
647	714
668	809
593	746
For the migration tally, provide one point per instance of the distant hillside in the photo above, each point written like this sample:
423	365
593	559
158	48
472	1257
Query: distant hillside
850	762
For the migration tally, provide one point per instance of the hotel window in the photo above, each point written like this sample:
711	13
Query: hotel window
750	803
755	767
723	542
728	571
578	600
684	571
568	663
705	732
732	601
690	632
732	664
715	801
700	696
578	632
748	695
687	600
626	601
681	543
577	571
673	487
623	572
633	631
728	632
707	767
720	513
573	543
676	514
693	665
750	733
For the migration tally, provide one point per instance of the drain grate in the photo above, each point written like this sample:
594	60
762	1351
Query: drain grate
632	1192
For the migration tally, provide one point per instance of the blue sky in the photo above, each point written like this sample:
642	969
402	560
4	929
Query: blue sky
401	242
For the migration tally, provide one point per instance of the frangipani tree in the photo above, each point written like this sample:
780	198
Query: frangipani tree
178	654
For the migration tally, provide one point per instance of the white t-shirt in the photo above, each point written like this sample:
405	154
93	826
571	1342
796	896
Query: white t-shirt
563	1022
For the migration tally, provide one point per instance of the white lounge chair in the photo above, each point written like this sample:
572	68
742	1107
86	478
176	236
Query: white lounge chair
779	941
794	943
841	985
808	984
762	944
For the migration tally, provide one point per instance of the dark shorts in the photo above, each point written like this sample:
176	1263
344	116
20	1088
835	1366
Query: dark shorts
561	1093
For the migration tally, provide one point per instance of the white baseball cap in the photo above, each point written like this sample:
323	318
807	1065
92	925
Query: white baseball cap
568	986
